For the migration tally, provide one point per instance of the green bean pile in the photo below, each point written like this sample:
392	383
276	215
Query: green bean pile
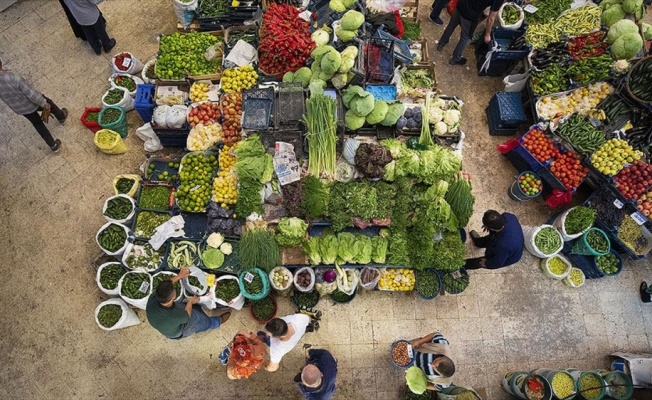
118	208
110	276
547	240
131	285
109	315
112	238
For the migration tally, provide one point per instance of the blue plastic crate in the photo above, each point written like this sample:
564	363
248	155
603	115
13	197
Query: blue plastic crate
508	107
144	103
503	39
382	92
495	128
585	263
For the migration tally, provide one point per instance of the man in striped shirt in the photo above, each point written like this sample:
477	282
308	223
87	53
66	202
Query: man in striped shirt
25	100
432	356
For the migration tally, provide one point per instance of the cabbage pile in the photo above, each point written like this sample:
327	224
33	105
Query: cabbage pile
625	40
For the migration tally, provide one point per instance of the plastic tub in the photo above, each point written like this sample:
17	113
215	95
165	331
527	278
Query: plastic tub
120	125
391	350
260	321
515	193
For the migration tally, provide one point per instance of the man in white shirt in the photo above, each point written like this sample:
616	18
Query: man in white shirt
285	334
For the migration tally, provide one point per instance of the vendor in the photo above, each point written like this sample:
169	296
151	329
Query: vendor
433	356
504	242
175	320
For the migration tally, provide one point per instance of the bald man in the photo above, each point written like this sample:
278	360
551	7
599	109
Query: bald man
317	379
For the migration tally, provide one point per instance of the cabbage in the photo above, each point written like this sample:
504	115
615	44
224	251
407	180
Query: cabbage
317	87
291	231
353	121
339	81
630	6
378	113
336	5
319	52
362	104
349	3
320	37
647	31
213	258
350	52
302	75
608	3
394	112
328	245
613	14
627	46
325	77
346	65
620	28
352	20
416	379
288	77
350	93
344	34
331	62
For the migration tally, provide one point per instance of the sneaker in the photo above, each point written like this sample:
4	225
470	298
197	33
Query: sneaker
436	20
440	46
645	296
224	317
461	61
56	146
111	45
65	115
98	51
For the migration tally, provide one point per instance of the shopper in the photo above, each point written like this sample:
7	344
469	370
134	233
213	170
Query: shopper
285	334
175	320
24	99
467	15
435	14
88	16
246	354
316	380
433	356
645	292
504	242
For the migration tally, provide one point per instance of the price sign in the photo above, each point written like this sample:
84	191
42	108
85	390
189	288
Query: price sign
639	217
619	204
410	351
126	62
210	279
530	8
249	277
143	287
456	275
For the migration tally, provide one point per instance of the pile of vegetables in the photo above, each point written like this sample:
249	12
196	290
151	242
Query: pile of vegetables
109	315
460	199
258	248
427	283
640	78
346	248
455	282
445	115
306	299
112	238
583	136
616	10
162	174
578	220
411	119
132	282
547	10
328	65
602	202
254	167
590	385
314	198
580	100
415	82
550	80
237	79
347	29
530	184
448	254
183	54
341	5
322	136
396	279
197	170
608	263
588	70
553	53
161	277
411	30
562	385
548	240
227	289
511	14
630	233
110	276
587	45
291	231
204	113
568	169
596	239
263	310
182	254
340	297
111	115
142	255
222	221
285	42
216	249
557	266
625	39
370	160
572	22
364	108
203	137
255	286
614	107
118	208
281	278
155	197
303	279
148	221
113	96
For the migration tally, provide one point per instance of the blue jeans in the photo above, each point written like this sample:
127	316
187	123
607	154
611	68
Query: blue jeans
467	28
199	322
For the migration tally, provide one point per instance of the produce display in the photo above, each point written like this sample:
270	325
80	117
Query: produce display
291	231
568	169
263	310
630	233
92	116
400	353
581	134
232	111
576	277
182	54
590	385
550	80
124	81
122	61
634	181
511	14
237	79
546	10
611	157
213	8
580	100
199	91
182	254
155	197
539	145
322	138
427	283
136	285
588	70
143	255
530	184
111	115
639	80
124	185
109	315
258	249
162	173
341	297
548	240
196	173
118	208
587	45
148	221
557	266
614	107
553	53
578	220
203	137
396	279
608	263
227	289
625	39
562	385
113	96
415	81
150	71
204	113
110	276
225	184
412	30
112	238
303	279
534	387
306	299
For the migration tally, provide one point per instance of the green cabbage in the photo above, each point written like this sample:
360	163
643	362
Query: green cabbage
288	77
608	3
345	35
394	112
317	87
647	31
291	231
346	247
350	52
302	75
347	64
627	46
613	14
336	5
311	249
349	3
339	81
378	113
416	379
331	62
328	248
319	52
320	37
350	93
630	6
379	249
353	121
213	258
363	104
620	28
352	20
325	77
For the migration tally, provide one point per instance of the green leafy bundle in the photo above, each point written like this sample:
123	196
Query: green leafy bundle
449	253
315	197
461	200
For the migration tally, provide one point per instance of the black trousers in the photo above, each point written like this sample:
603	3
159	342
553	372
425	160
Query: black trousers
96	35
482	242
39	125
437	7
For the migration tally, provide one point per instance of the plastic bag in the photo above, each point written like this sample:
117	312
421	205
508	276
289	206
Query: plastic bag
558	198
147	134
134	188
127	103
385	6
372	283
143	73
185	12
110	292
235	303
214	52
159	115
116	146
128	218
530	233
136	79
516	82
452	5
312	279
508	146
175	117
282	290
191	290
514	26
130	62
127	319
139	303
350	148
352	278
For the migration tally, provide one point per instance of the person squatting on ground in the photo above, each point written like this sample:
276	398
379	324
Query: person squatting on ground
246	354
433	356
24	99
316	381
467	15
285	334
89	17
504	243
174	319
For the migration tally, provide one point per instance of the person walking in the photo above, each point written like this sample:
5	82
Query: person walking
467	15
316	381
504	242
285	334
88	16
245	355
435	14
433	356
175	320
24	99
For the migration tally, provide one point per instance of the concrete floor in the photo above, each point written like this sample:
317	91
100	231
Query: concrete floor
513	319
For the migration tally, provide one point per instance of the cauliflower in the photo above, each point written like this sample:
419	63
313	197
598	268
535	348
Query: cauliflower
226	248
215	240
441	128
621	67
435	115
452	117
438	103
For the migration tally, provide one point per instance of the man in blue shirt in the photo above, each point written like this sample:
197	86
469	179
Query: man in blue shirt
317	379
504	243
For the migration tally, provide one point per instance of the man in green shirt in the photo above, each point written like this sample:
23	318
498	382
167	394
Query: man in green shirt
174	319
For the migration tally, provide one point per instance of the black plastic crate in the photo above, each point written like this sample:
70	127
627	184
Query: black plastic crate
496	67
266	93
257	113
495	128
171	138
379	60
290	106
504	40
160	164
196	225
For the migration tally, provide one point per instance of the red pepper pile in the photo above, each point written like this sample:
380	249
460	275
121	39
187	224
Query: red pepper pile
568	169
285	42
119	60
588	45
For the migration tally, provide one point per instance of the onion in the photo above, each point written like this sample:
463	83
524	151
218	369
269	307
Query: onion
330	276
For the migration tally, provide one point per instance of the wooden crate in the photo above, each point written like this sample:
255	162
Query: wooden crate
429	66
193	27
410	11
425	58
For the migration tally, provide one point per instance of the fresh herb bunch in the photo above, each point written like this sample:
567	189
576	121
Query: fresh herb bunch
578	220
315	197
258	249
450	253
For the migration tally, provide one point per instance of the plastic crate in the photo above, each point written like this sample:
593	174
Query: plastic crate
507	108
382	92
402	52
295	138
379	60
196	225
144	103
290	106
171	138
160	164
495	128
170	200
135	220
256	113
496	67
585	263
503	39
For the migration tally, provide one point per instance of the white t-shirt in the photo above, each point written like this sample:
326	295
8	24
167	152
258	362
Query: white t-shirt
278	348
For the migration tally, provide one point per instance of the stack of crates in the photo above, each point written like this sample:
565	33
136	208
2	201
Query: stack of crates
144	104
505	58
505	113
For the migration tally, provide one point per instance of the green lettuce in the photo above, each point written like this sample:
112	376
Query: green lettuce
311	249
328	247
292	231
450	253
364	248
379	249
346	247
